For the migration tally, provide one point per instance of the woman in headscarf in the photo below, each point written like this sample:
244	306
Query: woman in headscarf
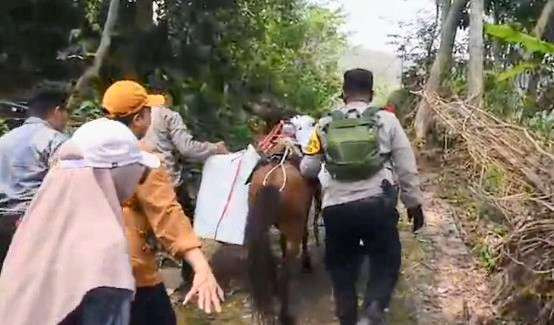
69	261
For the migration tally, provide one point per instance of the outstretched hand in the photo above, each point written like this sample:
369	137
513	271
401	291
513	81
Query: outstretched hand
416	214
210	295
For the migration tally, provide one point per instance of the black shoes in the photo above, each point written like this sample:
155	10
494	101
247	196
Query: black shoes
373	315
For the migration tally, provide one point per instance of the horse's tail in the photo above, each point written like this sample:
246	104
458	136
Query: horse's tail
262	267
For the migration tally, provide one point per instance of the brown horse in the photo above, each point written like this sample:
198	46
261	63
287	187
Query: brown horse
279	196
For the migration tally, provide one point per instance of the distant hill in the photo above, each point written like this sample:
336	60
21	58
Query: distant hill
386	68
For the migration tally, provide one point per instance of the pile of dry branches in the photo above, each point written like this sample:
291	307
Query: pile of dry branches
526	198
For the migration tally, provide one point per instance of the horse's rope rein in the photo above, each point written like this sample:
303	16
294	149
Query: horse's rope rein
282	166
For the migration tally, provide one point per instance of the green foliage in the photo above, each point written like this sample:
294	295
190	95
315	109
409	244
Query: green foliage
405	103
519	69
87	111
239	137
3	127
487	257
228	56
543	124
494	180
92	10
530	43
293	53
501	97
215	57
457	84
31	33
524	13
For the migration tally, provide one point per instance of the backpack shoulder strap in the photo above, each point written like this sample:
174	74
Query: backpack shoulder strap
337	115
370	112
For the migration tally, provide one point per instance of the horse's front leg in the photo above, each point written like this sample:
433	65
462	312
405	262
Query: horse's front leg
289	307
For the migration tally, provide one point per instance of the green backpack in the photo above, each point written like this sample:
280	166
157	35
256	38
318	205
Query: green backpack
353	146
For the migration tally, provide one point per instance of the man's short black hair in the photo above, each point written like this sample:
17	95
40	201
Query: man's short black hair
127	120
358	81
45	102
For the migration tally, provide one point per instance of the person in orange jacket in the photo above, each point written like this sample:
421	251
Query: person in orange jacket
154	210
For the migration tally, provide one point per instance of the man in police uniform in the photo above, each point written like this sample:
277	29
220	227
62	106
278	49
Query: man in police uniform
364	210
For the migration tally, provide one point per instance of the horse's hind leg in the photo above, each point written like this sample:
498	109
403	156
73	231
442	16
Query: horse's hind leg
289	306
306	258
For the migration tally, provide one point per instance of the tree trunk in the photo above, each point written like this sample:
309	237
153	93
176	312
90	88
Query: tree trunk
476	53
144	15
542	24
445	8
85	83
546	18
424	116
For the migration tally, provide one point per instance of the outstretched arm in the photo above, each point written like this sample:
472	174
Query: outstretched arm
404	164
405	167
186	145
173	230
204	284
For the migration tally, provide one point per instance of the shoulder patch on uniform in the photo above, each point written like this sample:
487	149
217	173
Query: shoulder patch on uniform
314	144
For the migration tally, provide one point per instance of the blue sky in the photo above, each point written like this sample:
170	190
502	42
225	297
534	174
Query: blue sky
368	22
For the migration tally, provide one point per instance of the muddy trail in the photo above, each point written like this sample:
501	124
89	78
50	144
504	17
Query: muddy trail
441	282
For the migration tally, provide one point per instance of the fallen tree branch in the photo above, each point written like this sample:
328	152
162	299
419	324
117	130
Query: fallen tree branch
522	192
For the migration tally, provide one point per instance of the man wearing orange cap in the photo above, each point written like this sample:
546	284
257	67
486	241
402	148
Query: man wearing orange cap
155	211
129	103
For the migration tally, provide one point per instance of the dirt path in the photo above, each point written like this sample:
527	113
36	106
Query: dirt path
441	282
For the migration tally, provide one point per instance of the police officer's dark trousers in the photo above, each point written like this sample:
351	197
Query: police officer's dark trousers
372	221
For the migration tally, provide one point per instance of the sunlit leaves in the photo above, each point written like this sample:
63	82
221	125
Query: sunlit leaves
516	71
511	35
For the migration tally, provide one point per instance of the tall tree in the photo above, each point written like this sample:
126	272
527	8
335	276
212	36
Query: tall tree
424	115
445	9
143	17
476	52
545	19
84	84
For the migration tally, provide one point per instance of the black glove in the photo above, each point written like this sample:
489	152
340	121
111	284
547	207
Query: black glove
416	213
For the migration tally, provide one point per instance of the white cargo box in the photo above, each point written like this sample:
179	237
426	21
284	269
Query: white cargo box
222	203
